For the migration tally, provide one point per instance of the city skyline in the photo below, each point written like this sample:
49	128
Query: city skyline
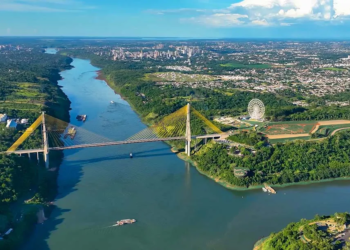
309	19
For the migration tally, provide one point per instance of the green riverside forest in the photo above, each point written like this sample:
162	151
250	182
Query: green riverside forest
314	234
297	161
28	86
293	162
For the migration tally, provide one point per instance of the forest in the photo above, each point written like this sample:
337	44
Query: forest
297	161
251	138
291	237
28	86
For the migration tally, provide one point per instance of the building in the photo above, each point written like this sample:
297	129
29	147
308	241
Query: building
245	118
24	121
11	123
240	172
3	117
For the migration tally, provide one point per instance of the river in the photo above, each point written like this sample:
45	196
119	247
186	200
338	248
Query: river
175	206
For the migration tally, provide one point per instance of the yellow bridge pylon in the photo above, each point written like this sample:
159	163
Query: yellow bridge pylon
26	134
184	124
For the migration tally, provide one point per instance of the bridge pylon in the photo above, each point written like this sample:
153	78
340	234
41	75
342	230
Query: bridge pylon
45	142
188	131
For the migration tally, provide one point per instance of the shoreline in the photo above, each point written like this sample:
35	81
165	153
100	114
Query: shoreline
100	76
236	188
185	158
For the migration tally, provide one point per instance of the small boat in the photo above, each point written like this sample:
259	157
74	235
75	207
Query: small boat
131	155
269	189
264	189
112	102
81	118
71	132
124	222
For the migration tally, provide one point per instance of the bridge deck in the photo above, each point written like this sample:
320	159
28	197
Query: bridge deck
27	151
93	145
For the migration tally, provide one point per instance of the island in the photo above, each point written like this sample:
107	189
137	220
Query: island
322	232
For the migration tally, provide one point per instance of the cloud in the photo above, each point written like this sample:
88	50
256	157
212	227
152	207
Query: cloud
269	12
341	8
260	22
219	20
42	6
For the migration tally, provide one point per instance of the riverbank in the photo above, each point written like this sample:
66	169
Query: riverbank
184	157
260	243
100	76
333	229
34	203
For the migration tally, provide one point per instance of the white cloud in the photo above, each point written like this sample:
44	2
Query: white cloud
219	20
260	22
270	12
341	8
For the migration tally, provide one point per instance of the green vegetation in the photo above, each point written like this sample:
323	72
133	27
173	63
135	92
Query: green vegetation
28	85
293	162
327	130
285	140
245	66
177	77
248	138
335	69
319	233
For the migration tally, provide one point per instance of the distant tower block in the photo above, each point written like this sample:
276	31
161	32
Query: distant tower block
256	109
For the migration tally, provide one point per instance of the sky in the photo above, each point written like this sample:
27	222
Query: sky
306	19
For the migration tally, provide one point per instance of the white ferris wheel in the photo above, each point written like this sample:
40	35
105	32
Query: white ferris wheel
256	109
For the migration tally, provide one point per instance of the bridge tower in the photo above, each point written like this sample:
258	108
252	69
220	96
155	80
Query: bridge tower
188	131
46	142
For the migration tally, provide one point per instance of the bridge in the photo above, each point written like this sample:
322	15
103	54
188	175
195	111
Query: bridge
60	135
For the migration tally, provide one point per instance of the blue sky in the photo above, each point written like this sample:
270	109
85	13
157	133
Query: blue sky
177	18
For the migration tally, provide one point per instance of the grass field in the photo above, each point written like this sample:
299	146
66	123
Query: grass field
292	128
331	128
245	66
285	140
24	96
301	130
335	69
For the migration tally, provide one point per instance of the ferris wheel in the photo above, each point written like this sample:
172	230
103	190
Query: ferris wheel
256	109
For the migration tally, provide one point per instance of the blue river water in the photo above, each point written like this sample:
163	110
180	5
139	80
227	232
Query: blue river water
175	206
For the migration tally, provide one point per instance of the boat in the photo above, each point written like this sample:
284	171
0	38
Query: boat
112	102
131	155
124	222
264	189
72	131
269	189
81	117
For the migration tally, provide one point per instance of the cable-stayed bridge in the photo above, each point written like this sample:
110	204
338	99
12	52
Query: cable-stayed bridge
60	135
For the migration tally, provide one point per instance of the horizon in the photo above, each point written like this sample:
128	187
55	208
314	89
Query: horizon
177	38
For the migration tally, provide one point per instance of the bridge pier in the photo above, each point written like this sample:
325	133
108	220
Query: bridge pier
188	131
46	142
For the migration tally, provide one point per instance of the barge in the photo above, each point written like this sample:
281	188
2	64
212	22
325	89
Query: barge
124	222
